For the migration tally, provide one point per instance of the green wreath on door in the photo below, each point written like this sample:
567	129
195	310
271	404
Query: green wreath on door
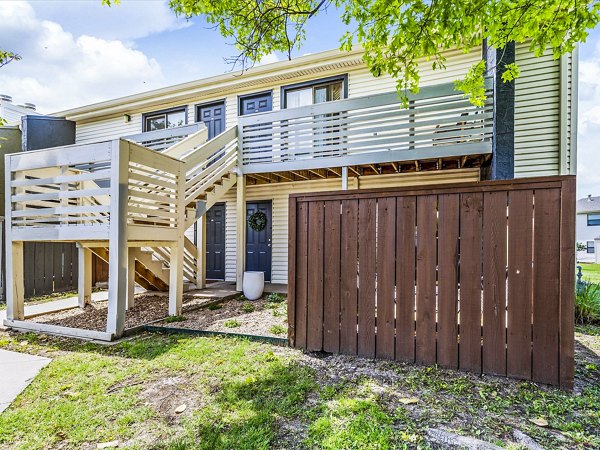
257	221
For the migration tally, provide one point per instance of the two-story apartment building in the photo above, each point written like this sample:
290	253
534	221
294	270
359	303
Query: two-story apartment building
239	143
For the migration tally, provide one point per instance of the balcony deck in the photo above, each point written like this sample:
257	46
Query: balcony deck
438	129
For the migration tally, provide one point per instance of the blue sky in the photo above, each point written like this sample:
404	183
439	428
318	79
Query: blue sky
77	52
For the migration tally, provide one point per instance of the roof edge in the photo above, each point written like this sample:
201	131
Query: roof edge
272	68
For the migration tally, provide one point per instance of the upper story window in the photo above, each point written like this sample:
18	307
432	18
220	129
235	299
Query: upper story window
313	92
593	220
165	119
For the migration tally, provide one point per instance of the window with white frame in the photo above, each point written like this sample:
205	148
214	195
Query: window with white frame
590	246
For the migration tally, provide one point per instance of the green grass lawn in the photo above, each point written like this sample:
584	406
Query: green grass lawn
245	395
591	272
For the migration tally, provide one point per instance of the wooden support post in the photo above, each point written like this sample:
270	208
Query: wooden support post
84	288
240	264
176	279
201	255
177	250
344	178
15	287
117	260
131	278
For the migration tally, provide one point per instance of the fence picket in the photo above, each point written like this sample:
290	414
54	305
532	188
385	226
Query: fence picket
406	208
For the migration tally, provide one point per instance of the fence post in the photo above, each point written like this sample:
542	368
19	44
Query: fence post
567	284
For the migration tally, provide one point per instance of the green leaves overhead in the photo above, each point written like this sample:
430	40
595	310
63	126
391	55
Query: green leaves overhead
6	57
398	36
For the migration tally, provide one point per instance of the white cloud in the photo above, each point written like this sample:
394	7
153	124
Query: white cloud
268	59
588	153
61	70
129	20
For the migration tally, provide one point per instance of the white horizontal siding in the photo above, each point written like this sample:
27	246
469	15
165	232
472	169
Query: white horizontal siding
361	81
279	196
107	129
537	114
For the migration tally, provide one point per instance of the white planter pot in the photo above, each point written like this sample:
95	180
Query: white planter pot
253	285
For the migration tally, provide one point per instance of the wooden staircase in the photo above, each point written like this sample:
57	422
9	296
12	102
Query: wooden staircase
210	173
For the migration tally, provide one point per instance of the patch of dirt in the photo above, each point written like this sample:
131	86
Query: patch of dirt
148	308
259	322
166	395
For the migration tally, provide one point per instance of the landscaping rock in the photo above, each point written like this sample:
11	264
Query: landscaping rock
111	444
451	440
527	442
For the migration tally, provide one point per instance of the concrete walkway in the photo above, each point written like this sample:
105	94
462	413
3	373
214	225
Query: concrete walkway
17	370
53	305
58	305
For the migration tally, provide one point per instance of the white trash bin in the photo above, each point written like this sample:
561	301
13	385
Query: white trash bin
253	285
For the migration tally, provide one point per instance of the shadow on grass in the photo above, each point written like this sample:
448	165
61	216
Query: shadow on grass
144	346
587	366
247	412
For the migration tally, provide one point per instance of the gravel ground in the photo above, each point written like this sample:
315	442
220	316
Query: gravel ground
234	316
147	308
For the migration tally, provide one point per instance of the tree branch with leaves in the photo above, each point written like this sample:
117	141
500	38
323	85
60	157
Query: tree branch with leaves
398	35
7	57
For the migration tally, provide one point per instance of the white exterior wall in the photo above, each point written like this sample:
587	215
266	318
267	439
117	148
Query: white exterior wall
12	113
278	194
585	234
360	83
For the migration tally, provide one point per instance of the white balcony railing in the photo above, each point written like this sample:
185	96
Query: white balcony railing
438	122
75	191
162	139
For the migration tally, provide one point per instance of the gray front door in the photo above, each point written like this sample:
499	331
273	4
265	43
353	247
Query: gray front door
256	103
213	116
215	242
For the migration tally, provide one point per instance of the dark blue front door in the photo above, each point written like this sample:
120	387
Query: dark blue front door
213	116
258	243
256	103
215	242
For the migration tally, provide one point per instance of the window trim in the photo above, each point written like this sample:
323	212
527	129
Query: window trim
595	220
253	94
197	106
592	247
312	83
165	111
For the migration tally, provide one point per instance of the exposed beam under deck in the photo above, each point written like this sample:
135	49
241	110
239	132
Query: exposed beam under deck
428	165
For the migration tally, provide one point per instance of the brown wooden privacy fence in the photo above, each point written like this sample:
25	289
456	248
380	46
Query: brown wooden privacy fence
471	276
49	267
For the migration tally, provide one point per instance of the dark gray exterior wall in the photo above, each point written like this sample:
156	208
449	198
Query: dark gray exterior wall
46	131
502	166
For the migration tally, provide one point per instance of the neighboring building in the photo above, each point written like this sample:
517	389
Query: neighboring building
12	113
319	122
588	228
